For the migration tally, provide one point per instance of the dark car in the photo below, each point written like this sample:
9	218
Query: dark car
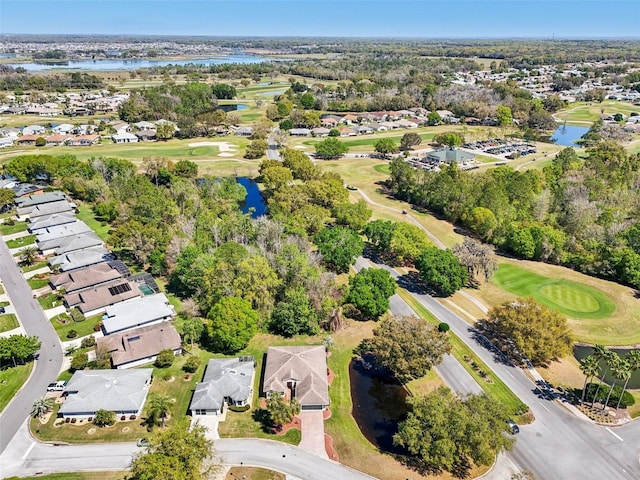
513	426
2	310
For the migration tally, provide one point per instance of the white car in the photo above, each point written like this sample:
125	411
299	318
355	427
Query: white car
56	387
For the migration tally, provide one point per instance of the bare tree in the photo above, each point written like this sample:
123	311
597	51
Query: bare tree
478	258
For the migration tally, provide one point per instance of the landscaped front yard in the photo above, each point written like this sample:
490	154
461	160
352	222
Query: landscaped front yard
6	229
8	321
63	324
38	282
22	241
11	380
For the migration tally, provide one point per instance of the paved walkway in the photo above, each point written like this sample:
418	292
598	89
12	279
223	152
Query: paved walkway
313	432
35	272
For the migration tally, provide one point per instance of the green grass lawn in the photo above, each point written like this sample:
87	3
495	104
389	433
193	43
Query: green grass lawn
15	228
80	476
11	379
35	266
383	168
51	300
585	112
8	321
491	384
85	213
569	298
63	324
22	241
36	283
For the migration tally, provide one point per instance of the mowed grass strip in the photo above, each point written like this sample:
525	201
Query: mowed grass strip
569	298
8	322
11	380
495	387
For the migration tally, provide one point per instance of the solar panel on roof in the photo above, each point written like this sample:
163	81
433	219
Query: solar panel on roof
118	289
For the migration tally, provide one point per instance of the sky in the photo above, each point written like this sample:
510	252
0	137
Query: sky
353	18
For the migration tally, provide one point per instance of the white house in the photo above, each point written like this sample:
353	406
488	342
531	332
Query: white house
33	130
124	138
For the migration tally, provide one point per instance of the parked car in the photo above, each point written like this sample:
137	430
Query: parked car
143	442
56	386
2	310
513	426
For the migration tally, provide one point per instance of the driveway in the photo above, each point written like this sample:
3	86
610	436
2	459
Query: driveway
313	432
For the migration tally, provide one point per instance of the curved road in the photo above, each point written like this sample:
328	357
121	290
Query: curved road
47	367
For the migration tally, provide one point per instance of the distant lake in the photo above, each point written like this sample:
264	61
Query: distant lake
134	64
253	199
233	108
566	135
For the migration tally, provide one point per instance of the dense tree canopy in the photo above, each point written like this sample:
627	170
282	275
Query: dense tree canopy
369	292
441	270
232	323
339	246
330	148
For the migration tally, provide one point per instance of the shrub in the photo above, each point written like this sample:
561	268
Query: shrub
87	342
165	358
235	408
191	365
41	142
104	418
79	361
627	398
72	334
443	327
9	221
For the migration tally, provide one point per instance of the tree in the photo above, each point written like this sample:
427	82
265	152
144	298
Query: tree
104	418
165	358
6	197
185	169
223	91
482	221
369	292
165	131
385	146
41	142
633	362
232	323
441	270
504	116
450	139
330	148
159	408
407	242
410	140
18	348
524	328
192	364
352	215
256	149
434	119
600	352
339	246
379	233
192	330
79	361
590	368
294	315
276	177
28	256
479	259
177	453
279	410
619	369
41	407
408	346
444	432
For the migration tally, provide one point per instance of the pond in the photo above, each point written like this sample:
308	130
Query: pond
566	135
379	404
253	199
135	63
581	351
233	108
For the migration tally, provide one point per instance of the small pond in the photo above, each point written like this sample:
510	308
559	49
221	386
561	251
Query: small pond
566	135
253	199
233	108
379	404
581	351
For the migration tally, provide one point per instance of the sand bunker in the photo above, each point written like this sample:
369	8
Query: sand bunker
300	147
222	146
225	154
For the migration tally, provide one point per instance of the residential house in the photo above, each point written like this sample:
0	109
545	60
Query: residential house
299	132
96	299
84	140
122	127
9	132
86	277
26	189
58	232
59	246
146	135
330	121
363	129
145	126
15	110
58	140
162	121
39	199
347	132
121	391
299	372
244	132
404	123
80	259
34	130
84	129
124	138
449	156
63	128
320	132
47	221
136	313
226	381
141	345
6	142
27	140
376	127
44	209
349	119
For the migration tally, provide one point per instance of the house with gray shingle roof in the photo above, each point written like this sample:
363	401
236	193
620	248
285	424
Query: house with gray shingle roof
137	312
121	391
226	381
299	372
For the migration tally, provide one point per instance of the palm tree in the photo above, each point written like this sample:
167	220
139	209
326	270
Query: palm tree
590	368
617	367
28	256
41	407
600	352
633	360
159	408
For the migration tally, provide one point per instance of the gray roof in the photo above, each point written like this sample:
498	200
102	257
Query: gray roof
38	199
46	209
85	277
81	258
140	343
61	231
307	366
137	312
71	243
101	296
113	390
52	221
450	155
223	378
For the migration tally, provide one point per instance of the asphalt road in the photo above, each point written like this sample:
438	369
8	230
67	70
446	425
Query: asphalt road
558	445
35	323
